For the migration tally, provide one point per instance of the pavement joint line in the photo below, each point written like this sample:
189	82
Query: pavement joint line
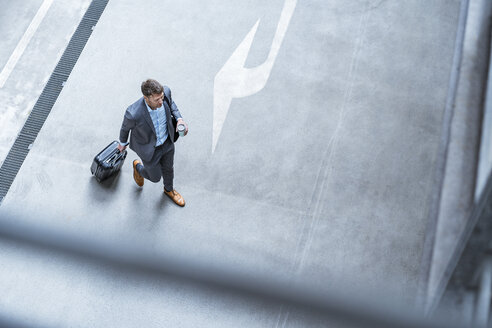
315	202
35	121
315	208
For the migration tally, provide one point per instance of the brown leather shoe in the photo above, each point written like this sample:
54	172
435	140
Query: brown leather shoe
139	180
176	197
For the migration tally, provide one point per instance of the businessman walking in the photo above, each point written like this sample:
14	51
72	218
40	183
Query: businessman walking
152	136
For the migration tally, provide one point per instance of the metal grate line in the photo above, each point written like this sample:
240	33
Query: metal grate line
19	150
44	105
46	99
57	72
42	108
35	116
17	155
91	19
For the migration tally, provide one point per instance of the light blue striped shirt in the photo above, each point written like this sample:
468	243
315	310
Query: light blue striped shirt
160	123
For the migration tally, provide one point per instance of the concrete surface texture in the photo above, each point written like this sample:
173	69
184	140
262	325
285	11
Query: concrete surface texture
322	175
35	64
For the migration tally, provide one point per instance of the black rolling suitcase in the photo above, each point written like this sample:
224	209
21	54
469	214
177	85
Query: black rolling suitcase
108	162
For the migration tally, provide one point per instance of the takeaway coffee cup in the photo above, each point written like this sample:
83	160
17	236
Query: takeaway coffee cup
181	130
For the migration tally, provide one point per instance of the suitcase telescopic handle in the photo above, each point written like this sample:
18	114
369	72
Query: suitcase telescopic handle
113	157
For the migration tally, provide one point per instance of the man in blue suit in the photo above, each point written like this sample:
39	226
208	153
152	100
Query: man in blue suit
152	136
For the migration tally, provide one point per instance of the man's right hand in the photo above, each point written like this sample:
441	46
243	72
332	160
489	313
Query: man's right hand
121	148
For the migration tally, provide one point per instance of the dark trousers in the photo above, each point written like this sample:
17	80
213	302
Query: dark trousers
161	165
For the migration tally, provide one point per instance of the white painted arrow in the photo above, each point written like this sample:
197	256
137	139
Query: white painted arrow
235	81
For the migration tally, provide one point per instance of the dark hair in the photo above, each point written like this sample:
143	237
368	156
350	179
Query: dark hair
151	87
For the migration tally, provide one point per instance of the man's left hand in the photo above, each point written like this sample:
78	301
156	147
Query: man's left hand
181	121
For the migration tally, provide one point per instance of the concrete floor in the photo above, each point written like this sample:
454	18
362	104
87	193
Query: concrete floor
36	62
323	175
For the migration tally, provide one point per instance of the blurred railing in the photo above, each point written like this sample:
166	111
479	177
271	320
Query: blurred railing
336	305
468	277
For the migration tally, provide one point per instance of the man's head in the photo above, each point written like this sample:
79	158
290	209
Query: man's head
153	93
